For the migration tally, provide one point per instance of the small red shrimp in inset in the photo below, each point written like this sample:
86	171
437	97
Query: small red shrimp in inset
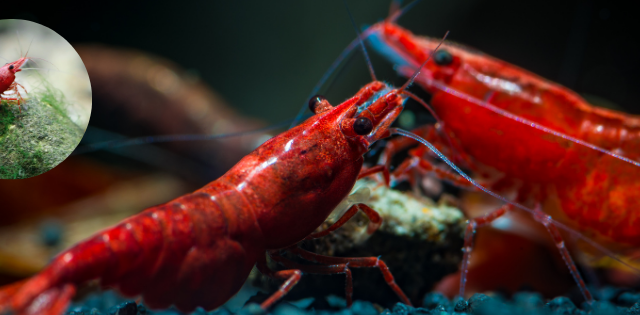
8	80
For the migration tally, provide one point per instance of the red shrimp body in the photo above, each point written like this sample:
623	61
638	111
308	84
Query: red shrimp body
198	249
590	190
8	78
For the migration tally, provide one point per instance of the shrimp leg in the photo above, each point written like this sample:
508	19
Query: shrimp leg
354	262
374	220
292	276
545	219
469	232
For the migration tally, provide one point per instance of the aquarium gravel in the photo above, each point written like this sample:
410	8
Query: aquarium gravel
612	301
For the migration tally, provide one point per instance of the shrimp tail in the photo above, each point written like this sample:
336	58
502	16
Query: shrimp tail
177	253
52	301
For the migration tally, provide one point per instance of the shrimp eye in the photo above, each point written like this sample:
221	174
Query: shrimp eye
362	126
11	67
315	101
443	57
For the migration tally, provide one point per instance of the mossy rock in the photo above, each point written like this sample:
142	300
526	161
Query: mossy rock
35	136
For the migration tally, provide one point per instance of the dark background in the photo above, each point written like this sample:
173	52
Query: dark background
264	57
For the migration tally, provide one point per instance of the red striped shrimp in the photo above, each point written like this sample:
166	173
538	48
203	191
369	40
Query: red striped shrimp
8	80
205	244
545	142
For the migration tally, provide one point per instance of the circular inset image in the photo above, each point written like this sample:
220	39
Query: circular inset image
45	99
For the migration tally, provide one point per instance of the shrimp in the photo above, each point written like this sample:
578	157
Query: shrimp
205	244
579	163
271	183
8	81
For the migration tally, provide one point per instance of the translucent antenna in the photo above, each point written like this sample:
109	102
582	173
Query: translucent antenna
324	79
34	60
395	12
19	44
168	138
364	49
339	60
27	53
413	77
394	7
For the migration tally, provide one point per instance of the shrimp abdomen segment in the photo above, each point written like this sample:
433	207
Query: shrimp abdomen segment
179	252
599	202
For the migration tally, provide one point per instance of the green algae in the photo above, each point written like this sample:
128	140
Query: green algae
37	135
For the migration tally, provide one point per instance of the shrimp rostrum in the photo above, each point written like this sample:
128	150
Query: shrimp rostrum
198	249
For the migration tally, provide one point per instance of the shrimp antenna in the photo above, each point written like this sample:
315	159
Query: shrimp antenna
112	144
31	42
364	49
415	74
325	77
336	63
394	7
19	44
396	12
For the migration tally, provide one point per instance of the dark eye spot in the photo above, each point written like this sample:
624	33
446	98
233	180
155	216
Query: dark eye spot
443	57
314	101
11	67
362	126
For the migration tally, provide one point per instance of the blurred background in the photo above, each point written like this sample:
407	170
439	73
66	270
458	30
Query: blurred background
265	56
167	67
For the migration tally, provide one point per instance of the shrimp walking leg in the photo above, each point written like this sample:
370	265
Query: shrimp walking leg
539	216
416	162
322	269
355	262
468	239
14	88
545	219
292	276
374	220
384	169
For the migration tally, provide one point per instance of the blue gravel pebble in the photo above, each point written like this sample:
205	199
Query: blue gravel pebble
432	300
461	306
126	308
560	306
363	308
476	302
402	309
603	308
526	303
606	293
303	303
221	311
628	298
287	309
634	310
528	300
336	301
251	309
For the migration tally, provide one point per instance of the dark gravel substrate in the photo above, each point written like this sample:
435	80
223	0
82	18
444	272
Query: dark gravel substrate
612	301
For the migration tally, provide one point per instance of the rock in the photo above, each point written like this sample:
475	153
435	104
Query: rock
419	240
36	136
